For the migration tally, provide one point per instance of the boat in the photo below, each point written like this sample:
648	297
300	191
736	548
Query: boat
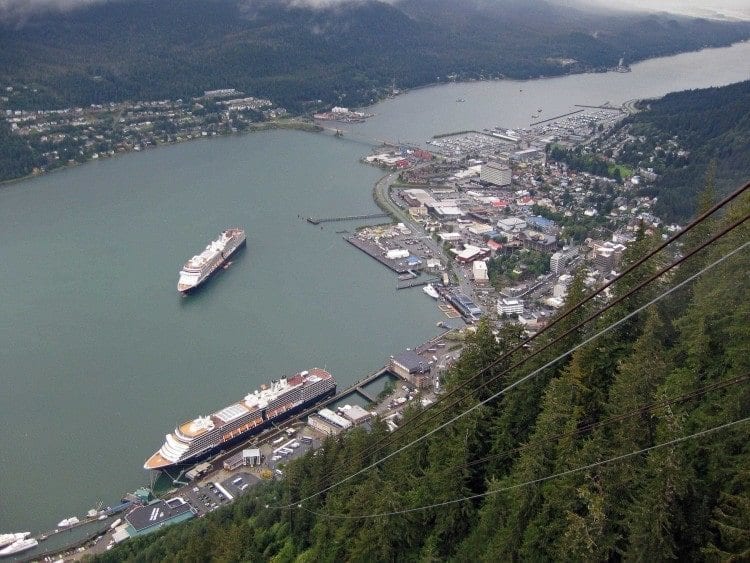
430	290
7	539
116	523
65	522
19	546
200	267
271	404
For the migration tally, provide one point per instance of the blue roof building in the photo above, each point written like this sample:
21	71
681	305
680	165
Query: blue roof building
542	224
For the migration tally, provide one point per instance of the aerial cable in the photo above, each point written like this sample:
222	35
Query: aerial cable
525	483
613	419
524	378
433	413
568	311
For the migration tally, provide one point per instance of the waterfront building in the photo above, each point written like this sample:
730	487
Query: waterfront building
146	519
356	414
323	426
411	367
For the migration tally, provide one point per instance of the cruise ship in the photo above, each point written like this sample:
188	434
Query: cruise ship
200	267
7	539
18	546
204	435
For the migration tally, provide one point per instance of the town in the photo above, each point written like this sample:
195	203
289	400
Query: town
68	136
498	227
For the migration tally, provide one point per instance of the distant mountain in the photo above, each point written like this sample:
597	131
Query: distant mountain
346	52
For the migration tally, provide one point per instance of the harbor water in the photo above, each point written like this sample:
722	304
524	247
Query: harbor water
100	355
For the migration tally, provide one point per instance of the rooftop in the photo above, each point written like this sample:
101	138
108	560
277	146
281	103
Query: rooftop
157	513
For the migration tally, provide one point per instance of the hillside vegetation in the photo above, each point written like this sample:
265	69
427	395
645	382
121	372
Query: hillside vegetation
712	124
347	53
613	396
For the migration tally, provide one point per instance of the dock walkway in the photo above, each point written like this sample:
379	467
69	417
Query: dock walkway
319	220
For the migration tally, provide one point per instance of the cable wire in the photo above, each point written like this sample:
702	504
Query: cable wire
526	377
435	413
530	482
618	418
399	431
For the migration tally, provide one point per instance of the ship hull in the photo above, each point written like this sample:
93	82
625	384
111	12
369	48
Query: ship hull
244	436
190	289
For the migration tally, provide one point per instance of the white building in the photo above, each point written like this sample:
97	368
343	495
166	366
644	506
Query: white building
511	225
479	271
495	173
509	306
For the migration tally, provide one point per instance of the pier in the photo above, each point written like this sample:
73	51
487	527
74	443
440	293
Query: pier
375	252
416	282
604	106
556	117
318	220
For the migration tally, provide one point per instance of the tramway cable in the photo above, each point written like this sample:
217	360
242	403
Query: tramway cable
386	441
525	483
433	413
524	378
613	419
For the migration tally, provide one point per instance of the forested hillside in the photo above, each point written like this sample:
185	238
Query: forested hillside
677	368
344	52
685	131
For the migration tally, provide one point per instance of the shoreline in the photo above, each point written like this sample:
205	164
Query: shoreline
307	124
291	124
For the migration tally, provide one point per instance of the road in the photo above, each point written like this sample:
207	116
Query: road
384	201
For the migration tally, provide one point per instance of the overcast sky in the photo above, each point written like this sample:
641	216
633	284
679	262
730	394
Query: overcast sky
704	8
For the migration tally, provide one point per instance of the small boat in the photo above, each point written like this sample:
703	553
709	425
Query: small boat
7	539
65	522
116	523
431	291
19	546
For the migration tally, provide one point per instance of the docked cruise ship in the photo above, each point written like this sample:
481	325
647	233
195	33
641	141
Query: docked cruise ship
202	436
200	267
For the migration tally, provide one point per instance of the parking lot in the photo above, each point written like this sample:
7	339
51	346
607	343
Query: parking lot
211	496
291	447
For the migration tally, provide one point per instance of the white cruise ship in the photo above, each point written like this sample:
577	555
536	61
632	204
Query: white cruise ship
430	290
272	403
18	547
7	539
200	267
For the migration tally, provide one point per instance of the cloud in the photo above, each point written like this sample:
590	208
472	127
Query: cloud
20	9
714	9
